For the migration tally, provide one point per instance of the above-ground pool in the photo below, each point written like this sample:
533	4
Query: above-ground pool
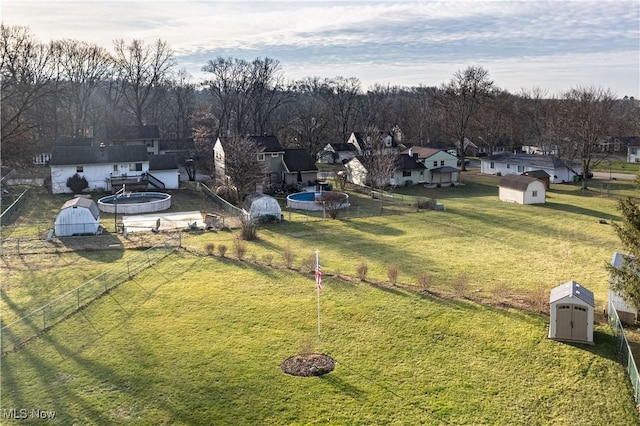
135	203
309	200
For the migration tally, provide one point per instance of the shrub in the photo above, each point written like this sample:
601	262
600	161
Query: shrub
309	262
228	193
268	258
268	218
500	292
222	250
289	256
209	248
392	273
426	204
425	280
239	248
77	183
461	285
249	229
362	270
540	298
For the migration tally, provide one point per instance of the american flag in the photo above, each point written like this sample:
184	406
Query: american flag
318	274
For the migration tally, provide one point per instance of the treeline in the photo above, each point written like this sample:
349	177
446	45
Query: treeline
70	88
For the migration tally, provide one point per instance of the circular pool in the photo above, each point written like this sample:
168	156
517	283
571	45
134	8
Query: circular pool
135	202
313	200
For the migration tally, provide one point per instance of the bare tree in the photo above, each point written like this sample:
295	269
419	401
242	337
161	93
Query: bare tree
180	104
342	96
380	159
586	115
140	68
26	75
460	100
332	202
242	166
82	67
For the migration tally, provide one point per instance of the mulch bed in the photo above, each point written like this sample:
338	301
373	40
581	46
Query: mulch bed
308	365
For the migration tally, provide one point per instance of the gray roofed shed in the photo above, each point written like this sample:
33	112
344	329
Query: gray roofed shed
571	309
78	216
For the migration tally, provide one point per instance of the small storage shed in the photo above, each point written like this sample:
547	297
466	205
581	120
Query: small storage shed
521	189
259	205
78	216
571	311
627	314
541	175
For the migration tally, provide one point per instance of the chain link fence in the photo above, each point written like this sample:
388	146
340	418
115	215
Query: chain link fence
17	333
625	351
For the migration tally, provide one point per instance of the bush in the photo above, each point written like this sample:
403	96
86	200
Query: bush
209	248
392	273
222	250
461	285
426	204
77	183
309	262
268	258
249	229
362	271
425	280
268	218
289	256
239	248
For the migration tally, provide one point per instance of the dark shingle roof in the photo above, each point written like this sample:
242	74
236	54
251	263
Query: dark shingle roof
73	142
298	159
519	182
163	162
75	155
176	144
133	132
343	147
538	174
406	162
530	160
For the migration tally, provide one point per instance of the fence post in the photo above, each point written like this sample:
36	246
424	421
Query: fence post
44	318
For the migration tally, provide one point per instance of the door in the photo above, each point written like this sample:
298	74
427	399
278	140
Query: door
571	322
579	318
563	321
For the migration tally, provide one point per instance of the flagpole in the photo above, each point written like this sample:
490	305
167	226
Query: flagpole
318	285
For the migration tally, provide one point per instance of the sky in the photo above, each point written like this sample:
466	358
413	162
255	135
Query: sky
552	45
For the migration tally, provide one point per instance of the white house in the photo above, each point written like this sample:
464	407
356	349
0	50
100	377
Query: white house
78	216
163	172
364	143
508	164
627	313
337	153
298	167
440	166
109	167
521	189
571	313
633	150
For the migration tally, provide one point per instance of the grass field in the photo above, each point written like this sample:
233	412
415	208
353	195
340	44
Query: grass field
199	339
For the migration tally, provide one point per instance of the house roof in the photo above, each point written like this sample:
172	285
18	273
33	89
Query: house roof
538	174
133	132
76	155
268	143
73	142
298	159
445	169
176	144
342	147
571	289
631	140
422	151
83	202
163	162
518	182
529	160
360	138
407	162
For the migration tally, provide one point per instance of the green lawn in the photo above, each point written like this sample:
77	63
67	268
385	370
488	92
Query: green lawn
199	339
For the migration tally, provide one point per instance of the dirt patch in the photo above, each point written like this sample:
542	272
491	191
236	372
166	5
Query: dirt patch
308	365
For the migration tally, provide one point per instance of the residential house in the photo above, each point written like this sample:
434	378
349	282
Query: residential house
148	136
43	158
181	148
521	189
506	164
107	168
298	167
410	171
440	166
271	154
364	143
633	149
338	153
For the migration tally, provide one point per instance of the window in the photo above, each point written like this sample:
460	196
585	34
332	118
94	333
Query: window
520	169
442	162
492	165
421	172
435	164
508	166
150	143
633	151
406	173
135	167
80	169
274	155
260	157
115	168
534	194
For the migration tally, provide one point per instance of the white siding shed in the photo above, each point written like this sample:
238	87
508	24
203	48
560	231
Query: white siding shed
521	189
627	313
571	311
